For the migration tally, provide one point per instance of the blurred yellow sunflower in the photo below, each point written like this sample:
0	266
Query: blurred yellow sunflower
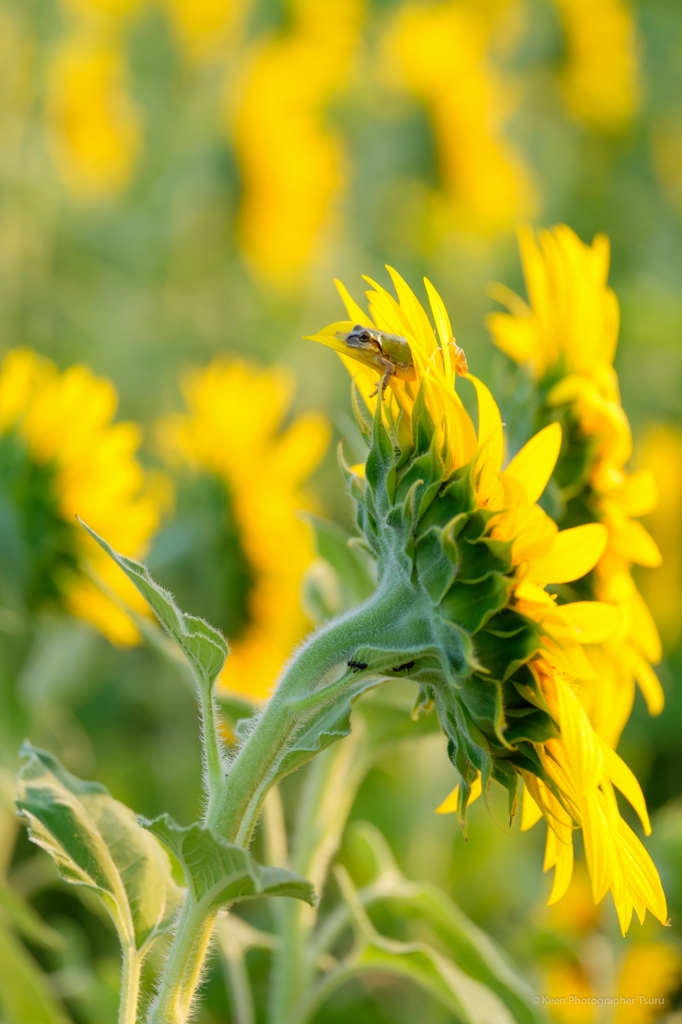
639	980
61	455
661	454
291	164
233	431
566	335
600	77
580	768
441	53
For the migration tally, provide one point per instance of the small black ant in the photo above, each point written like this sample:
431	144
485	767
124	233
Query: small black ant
357	666
404	668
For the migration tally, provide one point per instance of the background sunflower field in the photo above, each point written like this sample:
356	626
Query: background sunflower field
180	180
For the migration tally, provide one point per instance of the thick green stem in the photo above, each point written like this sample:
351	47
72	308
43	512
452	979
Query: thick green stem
184	966
377	620
130	986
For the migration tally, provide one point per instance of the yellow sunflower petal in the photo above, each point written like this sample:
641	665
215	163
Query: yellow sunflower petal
451	803
530	812
355	312
490	439
639	494
633	542
534	464
649	683
516	337
597	843
641	872
563	868
623	778
644	628
573	554
593	621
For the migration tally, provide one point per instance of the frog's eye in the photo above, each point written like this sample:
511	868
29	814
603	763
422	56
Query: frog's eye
365	336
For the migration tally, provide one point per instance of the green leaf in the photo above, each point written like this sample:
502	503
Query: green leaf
471	948
25	993
97	842
468	1000
464	996
204	647
325	727
218	872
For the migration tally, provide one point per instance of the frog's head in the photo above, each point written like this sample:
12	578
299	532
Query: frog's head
362	338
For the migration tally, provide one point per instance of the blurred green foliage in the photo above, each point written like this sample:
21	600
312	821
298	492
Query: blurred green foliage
150	271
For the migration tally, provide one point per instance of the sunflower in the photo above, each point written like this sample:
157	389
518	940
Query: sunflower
61	455
430	50
501	657
600	77
661	453
232	431
567	337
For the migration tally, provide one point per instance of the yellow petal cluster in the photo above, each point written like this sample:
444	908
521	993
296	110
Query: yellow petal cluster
440	53
582	767
66	421
567	334
203	27
661	455
93	121
233	430
600	78
292	165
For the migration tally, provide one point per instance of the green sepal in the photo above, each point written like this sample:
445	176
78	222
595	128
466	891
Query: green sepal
95	841
508	641
422	425
356	485
218	872
428	470
380	468
362	419
435	567
473	604
456	497
528	688
532	725
483	699
204	647
403	434
458	656
479	558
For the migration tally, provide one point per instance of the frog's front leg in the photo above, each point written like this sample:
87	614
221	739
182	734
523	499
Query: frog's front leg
382	383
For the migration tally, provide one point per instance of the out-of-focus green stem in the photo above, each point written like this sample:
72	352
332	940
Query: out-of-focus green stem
326	802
